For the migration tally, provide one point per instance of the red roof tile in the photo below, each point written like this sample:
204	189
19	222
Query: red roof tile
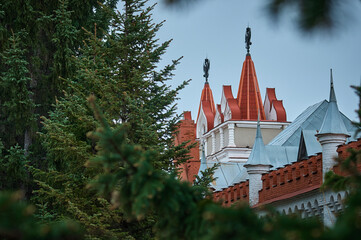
249	96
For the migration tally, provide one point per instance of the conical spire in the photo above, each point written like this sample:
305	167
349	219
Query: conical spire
258	155
333	123
332	91
249	97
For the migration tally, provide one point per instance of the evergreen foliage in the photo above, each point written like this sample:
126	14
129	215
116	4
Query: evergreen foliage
109	175
47	37
12	164
17	222
17	106
120	69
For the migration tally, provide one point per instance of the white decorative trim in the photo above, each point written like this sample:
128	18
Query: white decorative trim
213	142
221	140
255	181
324	205
231	135
201	127
329	143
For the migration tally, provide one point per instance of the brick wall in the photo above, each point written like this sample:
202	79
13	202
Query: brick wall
291	179
187	132
288	181
230	195
343	153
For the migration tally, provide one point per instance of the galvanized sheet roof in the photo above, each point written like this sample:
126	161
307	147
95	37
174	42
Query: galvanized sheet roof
312	145
225	174
310	119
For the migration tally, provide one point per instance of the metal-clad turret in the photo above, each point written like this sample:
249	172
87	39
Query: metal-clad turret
332	123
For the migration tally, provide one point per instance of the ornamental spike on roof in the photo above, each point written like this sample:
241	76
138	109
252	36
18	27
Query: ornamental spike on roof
258	155
206	67
332	91
248	39
258	133
332	123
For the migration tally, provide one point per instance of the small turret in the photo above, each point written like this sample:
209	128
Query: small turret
332	133
207	108
258	163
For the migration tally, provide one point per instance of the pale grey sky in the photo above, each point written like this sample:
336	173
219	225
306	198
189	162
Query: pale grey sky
297	65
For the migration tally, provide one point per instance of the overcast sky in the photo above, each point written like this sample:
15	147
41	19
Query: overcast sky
297	65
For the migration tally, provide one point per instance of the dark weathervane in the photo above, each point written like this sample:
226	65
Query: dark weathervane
206	66
248	39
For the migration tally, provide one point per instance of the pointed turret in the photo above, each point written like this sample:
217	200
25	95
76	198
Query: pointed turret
249	97
332	123
332	134
258	155
207	108
258	163
207	96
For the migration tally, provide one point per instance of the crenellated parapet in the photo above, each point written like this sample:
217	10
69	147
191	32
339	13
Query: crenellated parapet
291	180
343	153
235	193
288	182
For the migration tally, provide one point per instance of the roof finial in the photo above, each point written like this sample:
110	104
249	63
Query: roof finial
332	91
206	66
248	39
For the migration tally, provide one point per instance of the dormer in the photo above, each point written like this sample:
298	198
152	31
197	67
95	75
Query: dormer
273	108
229	107
232	111
205	118
219	117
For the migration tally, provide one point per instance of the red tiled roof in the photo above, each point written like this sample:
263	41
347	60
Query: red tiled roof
207	109
220	112
280	110
207	96
277	104
249	96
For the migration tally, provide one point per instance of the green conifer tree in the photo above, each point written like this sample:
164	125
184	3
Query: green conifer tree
50	33
17	106
119	68
17	118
